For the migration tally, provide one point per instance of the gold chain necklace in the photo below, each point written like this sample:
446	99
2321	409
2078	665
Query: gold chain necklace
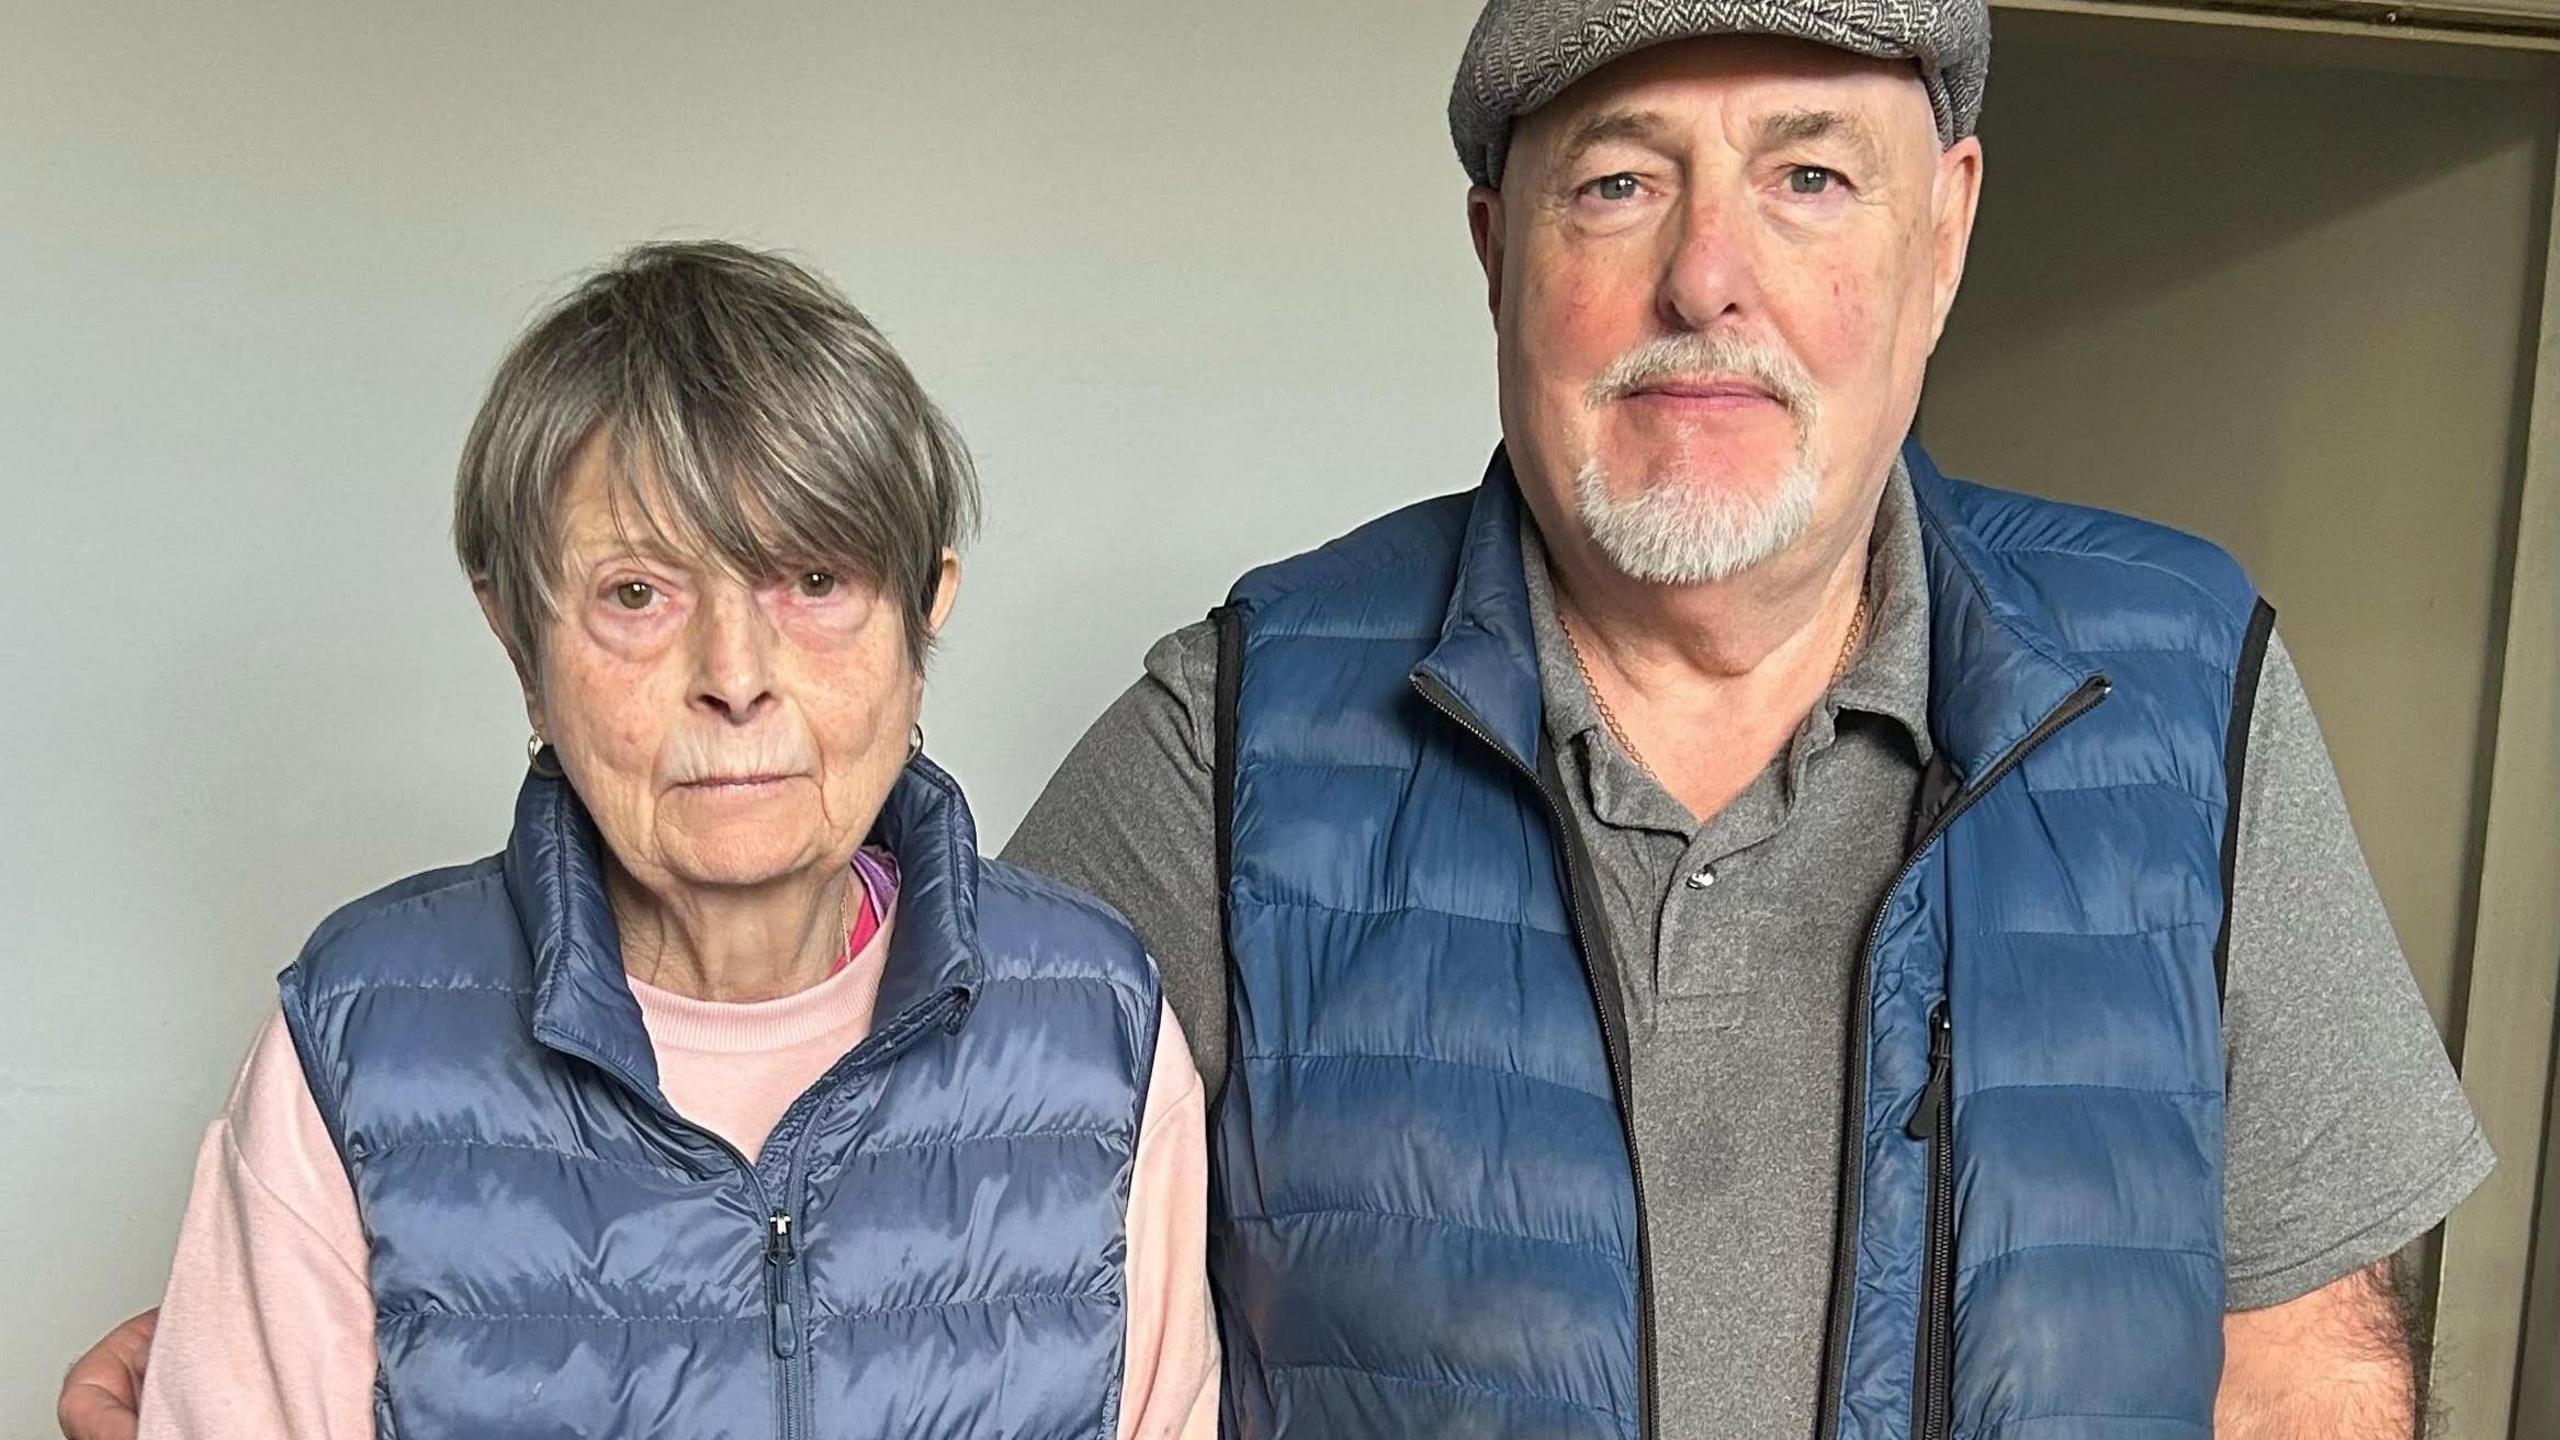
1609	717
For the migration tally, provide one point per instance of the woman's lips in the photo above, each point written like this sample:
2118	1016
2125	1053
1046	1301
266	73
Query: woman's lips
734	784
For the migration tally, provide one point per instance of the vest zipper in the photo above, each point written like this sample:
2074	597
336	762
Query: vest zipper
1604	1002
784	1318
785	1278
1844	1273
1933	1119
779	1256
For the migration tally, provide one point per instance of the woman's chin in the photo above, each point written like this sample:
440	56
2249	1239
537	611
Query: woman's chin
739	849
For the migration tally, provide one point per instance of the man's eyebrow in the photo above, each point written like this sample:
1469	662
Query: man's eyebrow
1798	127
1637	125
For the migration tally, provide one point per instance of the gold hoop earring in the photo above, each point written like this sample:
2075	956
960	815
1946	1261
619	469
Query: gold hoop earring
541	758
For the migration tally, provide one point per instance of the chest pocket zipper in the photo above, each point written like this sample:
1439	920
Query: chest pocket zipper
1933	1121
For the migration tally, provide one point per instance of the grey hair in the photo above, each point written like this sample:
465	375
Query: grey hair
752	412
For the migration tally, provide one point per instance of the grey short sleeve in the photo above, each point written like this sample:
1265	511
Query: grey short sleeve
2347	1134
1129	818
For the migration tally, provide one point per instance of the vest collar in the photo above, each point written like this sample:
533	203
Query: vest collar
1487	656
1997	666
582	1003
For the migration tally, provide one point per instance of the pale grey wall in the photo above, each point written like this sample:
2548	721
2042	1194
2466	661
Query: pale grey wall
1194	279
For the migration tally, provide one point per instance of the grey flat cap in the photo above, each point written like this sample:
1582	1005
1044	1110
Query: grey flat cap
1525	52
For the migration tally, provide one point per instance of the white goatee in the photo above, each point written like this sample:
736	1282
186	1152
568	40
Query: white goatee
1682	528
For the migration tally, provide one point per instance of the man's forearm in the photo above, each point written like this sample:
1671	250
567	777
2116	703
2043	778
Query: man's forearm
2335	1364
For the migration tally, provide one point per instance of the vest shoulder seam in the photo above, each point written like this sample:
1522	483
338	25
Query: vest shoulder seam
1039	889
1332	555
1277	1367
2129	562
367	910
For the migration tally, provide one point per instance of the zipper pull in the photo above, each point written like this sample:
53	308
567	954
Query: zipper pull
1926	1115
779	1253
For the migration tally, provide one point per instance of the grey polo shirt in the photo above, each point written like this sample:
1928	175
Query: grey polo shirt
2347	1135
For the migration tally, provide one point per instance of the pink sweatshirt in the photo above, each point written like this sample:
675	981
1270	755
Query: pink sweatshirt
267	1328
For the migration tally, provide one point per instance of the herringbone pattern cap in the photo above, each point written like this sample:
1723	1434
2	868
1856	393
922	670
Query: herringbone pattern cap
1525	52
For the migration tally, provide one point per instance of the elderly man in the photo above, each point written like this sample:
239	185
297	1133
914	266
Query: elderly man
1724	931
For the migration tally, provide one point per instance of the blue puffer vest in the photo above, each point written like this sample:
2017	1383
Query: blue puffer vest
1427	1208
930	1244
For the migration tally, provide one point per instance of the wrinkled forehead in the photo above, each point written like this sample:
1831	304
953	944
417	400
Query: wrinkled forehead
1748	90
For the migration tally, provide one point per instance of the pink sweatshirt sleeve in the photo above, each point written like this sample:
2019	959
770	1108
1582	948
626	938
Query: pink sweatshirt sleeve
1170	1388
267	1327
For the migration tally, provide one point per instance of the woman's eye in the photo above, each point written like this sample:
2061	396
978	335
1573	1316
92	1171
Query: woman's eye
634	594
1810	179
1613	187
817	584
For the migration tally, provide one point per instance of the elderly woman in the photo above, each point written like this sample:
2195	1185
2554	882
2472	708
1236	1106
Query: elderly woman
740	1094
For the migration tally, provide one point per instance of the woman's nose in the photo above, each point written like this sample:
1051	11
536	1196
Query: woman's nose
733	655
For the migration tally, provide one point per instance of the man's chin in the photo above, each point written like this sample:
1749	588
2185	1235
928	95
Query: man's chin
1704	482
1684	528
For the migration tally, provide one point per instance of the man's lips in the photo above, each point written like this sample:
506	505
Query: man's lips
1703	392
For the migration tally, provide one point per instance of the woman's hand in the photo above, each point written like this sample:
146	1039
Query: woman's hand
102	1396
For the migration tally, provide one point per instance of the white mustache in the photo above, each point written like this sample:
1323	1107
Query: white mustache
697	759
1707	353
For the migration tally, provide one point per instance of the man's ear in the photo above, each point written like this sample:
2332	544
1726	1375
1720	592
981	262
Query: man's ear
1955	196
1484	222
481	592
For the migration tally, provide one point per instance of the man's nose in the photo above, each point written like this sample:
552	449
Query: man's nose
1709	270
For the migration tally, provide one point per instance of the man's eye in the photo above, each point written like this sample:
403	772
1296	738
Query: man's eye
1810	179
817	584
1613	187
634	594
